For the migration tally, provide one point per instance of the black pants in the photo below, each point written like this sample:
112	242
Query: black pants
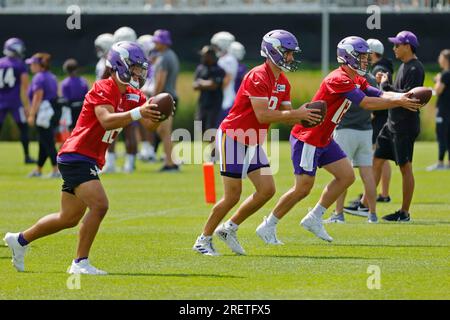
443	137
47	147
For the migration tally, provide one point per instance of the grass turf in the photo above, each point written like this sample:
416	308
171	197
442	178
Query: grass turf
146	238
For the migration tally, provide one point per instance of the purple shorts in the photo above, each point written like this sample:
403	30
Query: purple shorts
17	113
237	159
307	158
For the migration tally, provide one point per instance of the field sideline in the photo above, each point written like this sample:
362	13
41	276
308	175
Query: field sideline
145	241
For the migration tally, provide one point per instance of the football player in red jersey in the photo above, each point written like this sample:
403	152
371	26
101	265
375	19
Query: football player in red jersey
314	147
263	98
110	105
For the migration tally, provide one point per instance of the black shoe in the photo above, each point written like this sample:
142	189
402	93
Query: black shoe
357	210
29	160
399	215
356	201
167	168
380	198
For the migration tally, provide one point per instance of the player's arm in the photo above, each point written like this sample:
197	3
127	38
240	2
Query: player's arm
160	80
110	120
226	80
35	103
373	99
24	82
439	85
265	115
202	84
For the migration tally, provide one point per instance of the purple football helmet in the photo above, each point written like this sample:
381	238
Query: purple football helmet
14	47
349	52
274	46
124	58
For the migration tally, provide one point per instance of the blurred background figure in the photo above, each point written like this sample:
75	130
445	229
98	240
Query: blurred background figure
13	90
238	51
221	42
102	45
442	89
166	69
44	113
73	90
379	118
208	80
147	152
123	34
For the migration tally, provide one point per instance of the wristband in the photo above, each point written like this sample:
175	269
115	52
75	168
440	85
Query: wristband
135	114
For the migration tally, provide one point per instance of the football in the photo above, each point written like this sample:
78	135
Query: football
421	93
165	104
320	105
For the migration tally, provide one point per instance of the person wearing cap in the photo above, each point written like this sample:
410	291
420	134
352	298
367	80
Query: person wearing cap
73	89
396	139
166	70
43	94
13	91
208	80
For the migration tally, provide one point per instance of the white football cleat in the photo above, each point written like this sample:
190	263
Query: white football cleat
314	225
268	233
205	247
228	236
84	267
18	252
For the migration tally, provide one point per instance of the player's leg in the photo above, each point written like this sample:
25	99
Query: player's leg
385	182
48	139
232	192
21	121
407	185
130	147
165	131
110	159
72	210
370	191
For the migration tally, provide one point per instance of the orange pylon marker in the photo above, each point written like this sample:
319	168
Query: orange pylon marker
208	178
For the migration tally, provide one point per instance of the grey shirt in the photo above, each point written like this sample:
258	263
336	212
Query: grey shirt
356	117
168	61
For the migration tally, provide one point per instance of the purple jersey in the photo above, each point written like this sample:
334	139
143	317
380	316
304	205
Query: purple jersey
74	88
11	70
242	70
46	81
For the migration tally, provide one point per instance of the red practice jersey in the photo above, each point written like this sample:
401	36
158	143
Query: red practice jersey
89	138
332	90
241	123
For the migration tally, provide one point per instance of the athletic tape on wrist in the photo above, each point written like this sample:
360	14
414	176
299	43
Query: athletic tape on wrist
135	114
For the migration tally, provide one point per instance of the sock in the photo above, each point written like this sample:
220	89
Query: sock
230	224
129	161
318	211
22	240
80	259
272	220
339	214
111	159
203	237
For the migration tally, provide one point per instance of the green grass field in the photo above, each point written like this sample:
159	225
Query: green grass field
145	241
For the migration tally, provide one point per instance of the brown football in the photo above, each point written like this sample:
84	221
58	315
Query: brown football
421	93
165	104
320	105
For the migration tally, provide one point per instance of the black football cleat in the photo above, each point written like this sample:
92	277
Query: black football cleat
397	216
380	198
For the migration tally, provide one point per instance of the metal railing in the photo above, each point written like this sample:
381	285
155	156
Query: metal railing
186	6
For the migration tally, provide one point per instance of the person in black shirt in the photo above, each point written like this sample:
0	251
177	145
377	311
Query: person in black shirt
397	137
442	88
208	80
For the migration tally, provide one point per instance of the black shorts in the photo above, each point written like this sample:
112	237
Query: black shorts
377	125
398	147
76	173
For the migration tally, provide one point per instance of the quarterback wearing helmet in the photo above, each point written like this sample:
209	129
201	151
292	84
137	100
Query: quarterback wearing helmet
263	98
110	105
314	147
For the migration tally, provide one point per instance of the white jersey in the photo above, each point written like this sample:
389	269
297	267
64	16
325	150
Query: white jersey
230	65
100	68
